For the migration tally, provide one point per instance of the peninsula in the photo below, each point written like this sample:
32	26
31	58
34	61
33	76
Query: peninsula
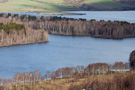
14	33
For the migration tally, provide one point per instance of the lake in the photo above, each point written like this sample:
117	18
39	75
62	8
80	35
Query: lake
64	51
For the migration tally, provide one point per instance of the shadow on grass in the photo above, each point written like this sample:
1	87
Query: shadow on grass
100	6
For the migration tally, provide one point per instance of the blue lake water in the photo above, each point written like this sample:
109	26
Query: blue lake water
63	51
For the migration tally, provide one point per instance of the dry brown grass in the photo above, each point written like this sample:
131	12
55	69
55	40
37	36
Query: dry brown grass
64	84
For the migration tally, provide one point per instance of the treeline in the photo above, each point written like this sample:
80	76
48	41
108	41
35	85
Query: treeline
23	78
21	17
103	29
70	26
67	72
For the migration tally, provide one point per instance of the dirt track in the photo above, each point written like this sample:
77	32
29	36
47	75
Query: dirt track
3	1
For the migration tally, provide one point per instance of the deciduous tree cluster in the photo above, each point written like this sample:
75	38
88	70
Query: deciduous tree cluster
104	29
14	32
67	72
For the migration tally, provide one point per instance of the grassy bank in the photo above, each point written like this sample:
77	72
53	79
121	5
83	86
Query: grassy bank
69	83
56	6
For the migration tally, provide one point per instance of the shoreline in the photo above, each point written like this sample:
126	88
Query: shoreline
63	12
42	13
100	37
24	44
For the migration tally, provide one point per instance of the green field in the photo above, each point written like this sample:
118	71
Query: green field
56	6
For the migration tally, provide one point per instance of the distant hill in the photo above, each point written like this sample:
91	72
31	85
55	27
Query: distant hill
129	2
54	6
